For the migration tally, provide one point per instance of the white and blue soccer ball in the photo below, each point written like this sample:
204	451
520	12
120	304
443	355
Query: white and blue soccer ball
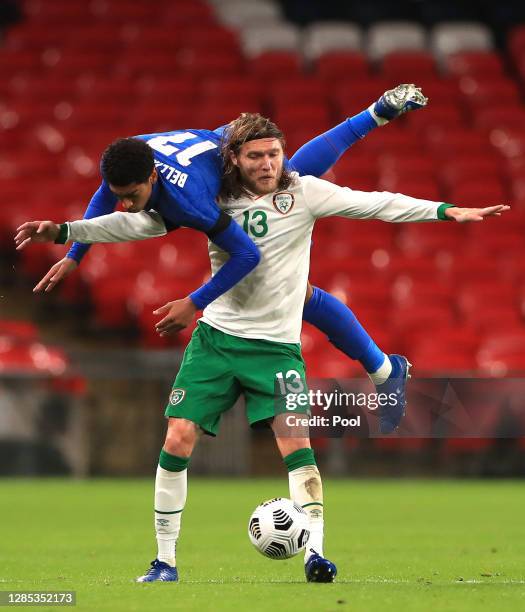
278	528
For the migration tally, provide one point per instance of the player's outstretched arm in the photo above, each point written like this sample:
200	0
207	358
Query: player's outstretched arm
115	227
319	154
328	199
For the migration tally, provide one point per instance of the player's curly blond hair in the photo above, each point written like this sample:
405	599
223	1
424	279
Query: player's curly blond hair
247	126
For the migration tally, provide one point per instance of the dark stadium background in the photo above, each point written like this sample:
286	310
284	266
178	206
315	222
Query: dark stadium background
84	377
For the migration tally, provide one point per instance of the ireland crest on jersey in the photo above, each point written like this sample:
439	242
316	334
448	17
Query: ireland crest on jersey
283	202
176	396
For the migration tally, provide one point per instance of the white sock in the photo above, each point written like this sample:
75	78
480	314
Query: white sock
170	497
381	375
306	489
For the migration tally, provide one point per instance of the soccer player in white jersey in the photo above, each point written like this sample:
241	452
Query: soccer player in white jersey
248	339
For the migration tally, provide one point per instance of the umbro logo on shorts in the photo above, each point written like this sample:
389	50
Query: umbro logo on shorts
176	396
283	202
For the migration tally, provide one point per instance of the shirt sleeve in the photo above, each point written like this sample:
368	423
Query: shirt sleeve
325	199
117	227
103	202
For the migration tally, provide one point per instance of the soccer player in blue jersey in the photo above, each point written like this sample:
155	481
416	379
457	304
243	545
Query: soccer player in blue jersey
182	187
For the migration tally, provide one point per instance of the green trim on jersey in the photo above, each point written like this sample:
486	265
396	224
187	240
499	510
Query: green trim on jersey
62	234
441	211
217	368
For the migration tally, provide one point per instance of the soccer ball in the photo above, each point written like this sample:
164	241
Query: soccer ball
278	528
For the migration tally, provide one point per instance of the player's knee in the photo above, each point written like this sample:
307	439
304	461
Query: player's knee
180	437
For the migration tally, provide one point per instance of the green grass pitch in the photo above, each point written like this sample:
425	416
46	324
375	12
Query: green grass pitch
399	545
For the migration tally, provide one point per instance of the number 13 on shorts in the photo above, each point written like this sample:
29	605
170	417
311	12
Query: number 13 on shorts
290	382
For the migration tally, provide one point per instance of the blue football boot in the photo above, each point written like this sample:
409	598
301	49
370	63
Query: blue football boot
319	569
396	101
390	415
161	572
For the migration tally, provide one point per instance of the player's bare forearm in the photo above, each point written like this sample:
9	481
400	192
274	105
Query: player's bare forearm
466	215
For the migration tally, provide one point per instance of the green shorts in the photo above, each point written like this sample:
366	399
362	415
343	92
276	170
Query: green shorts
218	367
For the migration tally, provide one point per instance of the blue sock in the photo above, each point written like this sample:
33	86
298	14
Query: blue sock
344	331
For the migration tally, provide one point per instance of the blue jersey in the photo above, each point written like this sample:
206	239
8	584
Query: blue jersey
189	168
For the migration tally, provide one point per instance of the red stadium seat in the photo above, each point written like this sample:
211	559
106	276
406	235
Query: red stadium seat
408	66
360	179
429	239
442	91
485	64
510	141
296	90
475	193
19	330
417	186
72	63
209	36
492	318
147	118
347	65
201	62
504	116
209	115
102	37
411	318
392	141
351	97
408	293
175	92
502	354
271	63
314	116
487	293
482	92
238	88
187	13
444	143
122	11
463	340
396	162
468	169
442	361
448	114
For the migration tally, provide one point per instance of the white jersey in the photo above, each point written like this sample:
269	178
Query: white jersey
268	303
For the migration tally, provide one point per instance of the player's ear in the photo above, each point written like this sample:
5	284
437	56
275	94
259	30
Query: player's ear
233	158
153	176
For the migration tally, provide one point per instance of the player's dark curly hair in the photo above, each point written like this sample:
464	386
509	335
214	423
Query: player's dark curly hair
248	126
126	161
